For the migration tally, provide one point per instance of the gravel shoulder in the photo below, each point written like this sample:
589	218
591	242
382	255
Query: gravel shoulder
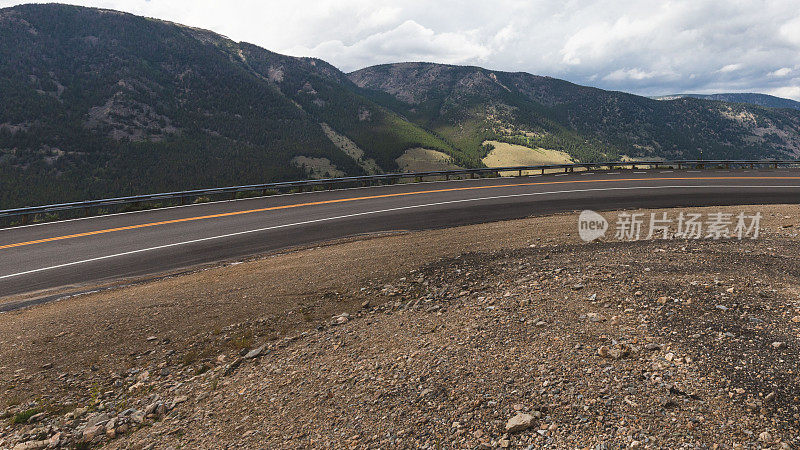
512	334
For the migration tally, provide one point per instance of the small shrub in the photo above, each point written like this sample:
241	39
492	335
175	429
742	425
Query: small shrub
205	367
59	409
243	340
23	416
307	313
189	358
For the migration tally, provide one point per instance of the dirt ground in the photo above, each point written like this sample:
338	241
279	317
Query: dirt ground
432	339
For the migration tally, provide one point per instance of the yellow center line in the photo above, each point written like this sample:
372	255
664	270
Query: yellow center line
370	197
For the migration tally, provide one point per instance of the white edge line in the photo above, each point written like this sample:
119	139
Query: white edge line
346	216
354	188
301	193
142	211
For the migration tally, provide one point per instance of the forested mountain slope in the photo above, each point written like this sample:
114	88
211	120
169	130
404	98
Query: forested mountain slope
769	101
97	103
469	105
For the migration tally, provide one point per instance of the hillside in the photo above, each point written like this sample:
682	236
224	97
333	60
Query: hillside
647	344
98	103
469	105
768	101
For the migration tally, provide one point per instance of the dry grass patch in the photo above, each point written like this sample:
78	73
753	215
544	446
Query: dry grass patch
506	155
422	160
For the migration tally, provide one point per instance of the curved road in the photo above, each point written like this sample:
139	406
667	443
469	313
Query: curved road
97	249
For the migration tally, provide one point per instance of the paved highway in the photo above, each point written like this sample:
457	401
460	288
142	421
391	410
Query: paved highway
98	249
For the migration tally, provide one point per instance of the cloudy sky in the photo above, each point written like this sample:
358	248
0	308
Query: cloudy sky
648	47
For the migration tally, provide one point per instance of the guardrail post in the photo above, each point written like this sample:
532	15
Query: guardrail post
520	172
776	165
26	218
86	211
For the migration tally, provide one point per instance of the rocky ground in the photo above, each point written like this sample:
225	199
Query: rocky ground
515	335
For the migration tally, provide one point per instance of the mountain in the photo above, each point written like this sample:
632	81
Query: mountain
98	103
470	105
768	101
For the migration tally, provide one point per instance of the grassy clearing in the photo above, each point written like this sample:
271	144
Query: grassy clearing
423	159
506	155
317	168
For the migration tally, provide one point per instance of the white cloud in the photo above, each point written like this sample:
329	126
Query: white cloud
629	74
730	68
790	31
782	72
407	41
644	47
792	92
596	41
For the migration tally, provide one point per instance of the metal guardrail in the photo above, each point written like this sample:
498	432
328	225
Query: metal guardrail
187	197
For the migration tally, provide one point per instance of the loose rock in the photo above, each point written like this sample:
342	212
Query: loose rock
519	422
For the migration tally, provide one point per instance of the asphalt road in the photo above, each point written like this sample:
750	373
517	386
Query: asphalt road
98	249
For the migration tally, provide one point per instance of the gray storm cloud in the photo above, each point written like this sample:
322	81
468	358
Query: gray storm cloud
648	48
